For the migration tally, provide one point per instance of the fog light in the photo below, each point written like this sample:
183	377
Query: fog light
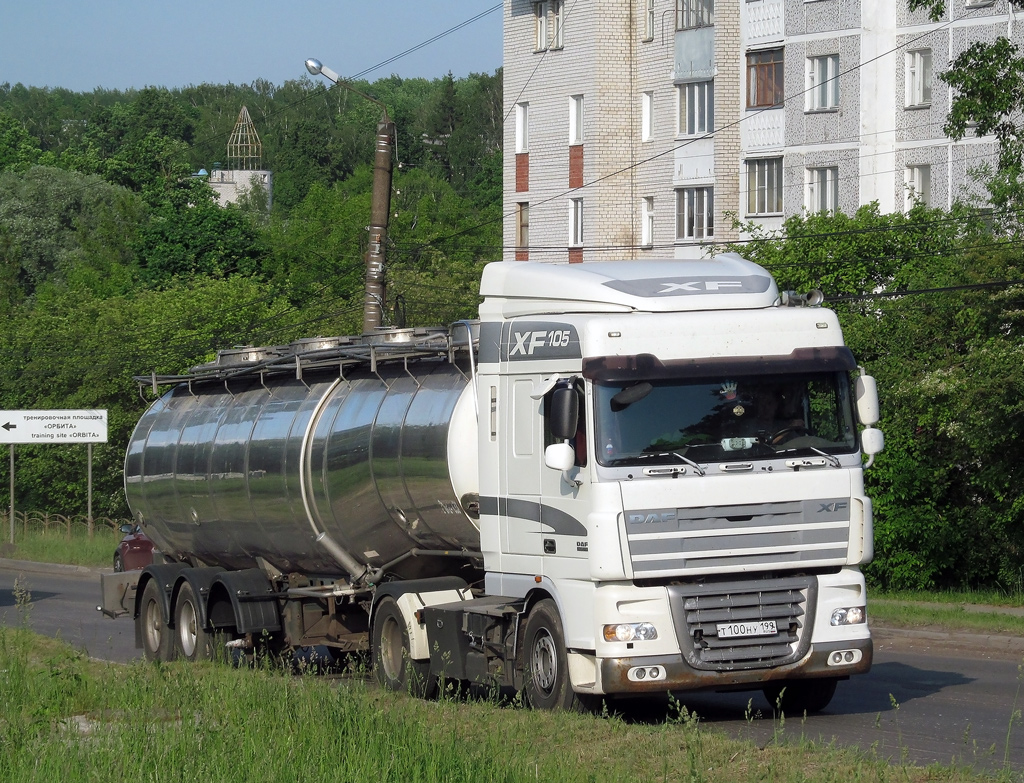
646	673
630	632
852	615
845	657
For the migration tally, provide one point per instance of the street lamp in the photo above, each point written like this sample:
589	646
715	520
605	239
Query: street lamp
380	208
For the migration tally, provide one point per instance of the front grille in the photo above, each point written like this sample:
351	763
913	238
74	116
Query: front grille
699	609
735	539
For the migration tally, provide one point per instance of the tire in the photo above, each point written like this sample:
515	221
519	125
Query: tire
545	664
157	639
192	641
392	666
800	696
118	562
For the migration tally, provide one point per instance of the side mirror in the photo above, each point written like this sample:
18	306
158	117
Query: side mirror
126	529
872	441
866	390
564	412
559	456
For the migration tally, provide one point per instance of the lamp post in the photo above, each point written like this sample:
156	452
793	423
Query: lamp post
380	208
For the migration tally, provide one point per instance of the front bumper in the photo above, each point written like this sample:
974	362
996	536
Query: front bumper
673	673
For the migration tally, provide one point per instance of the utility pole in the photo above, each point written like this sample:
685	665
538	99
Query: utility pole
380	208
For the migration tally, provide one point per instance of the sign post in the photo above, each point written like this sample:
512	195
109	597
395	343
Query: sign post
53	427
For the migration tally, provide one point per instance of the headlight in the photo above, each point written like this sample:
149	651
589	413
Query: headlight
850	616
630	632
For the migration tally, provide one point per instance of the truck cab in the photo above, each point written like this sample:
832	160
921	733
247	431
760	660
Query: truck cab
696	511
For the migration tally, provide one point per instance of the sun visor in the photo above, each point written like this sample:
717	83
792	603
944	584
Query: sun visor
644	366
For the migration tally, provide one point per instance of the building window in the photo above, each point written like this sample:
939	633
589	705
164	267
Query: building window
540	13
694	13
695	213
919	78
696	108
576	222
765	79
522	127
522	225
647	222
822	82
823	189
918	185
646	116
649	20
576	119
557	15
764	186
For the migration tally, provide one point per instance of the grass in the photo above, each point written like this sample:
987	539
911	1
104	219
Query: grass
69	544
1011	599
71	719
974	611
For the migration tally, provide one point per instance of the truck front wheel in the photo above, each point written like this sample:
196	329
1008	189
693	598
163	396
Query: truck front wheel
157	639
545	663
392	664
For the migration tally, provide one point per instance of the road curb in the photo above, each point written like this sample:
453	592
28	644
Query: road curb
46	568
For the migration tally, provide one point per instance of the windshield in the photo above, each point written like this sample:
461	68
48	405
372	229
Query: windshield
723	419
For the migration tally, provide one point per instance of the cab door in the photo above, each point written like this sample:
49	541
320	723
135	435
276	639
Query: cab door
521	455
565	496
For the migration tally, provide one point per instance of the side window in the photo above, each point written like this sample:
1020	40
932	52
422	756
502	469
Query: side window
579	441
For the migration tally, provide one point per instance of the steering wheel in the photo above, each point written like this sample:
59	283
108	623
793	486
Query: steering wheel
777	437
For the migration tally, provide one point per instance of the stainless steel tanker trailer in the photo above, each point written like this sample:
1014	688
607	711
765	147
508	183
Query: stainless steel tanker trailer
625	478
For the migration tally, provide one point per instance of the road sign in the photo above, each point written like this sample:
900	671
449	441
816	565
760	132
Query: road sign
89	426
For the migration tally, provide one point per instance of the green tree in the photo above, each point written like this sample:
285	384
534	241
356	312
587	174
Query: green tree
189	235
57	224
142	145
17	149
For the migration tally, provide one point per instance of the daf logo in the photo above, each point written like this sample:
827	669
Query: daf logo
647	518
831	508
700	285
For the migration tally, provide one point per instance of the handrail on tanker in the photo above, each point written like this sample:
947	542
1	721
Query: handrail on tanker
361	350
472	363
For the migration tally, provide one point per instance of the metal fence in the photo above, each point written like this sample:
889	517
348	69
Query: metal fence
58	524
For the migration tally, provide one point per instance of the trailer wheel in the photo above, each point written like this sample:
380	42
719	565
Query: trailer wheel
193	642
545	664
800	696
157	640
392	666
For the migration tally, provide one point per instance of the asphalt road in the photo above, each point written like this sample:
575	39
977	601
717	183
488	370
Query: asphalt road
930	697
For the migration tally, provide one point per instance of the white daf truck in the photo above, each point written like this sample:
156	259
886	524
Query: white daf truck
625	478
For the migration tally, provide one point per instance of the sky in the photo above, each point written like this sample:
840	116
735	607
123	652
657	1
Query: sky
120	44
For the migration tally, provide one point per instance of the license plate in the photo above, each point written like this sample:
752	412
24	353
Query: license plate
759	628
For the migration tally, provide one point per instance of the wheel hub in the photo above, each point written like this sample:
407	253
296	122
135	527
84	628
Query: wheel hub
545	662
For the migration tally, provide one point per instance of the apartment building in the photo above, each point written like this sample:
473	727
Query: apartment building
654	128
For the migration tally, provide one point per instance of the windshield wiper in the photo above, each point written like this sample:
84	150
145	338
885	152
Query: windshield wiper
833	460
